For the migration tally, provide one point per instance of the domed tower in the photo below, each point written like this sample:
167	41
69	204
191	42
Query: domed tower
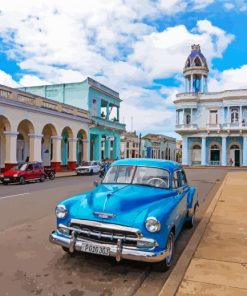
196	71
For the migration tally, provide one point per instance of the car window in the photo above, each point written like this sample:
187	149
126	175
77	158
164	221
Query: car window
111	175
125	174
150	176
175	179
183	180
30	167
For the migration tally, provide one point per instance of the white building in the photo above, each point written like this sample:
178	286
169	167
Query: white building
130	145
41	129
212	124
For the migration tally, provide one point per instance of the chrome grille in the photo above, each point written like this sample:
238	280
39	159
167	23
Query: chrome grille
101	232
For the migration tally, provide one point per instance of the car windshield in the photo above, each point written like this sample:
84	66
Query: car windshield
140	175
86	163
20	167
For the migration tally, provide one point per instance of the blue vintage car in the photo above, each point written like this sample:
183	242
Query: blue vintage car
136	213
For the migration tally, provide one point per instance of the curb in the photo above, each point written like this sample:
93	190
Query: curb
174	280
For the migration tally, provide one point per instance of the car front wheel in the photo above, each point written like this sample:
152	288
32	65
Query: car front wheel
165	264
22	180
42	178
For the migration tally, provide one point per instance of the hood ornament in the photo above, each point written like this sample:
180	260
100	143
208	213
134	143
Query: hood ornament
104	215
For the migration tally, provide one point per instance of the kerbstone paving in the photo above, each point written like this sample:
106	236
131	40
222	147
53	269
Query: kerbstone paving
219	265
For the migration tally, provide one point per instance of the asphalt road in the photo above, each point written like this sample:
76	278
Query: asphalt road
30	265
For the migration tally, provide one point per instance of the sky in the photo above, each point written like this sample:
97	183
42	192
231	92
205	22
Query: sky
137	48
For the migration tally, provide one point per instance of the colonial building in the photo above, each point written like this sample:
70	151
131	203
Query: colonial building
130	143
101	102
212	124
158	146
42	130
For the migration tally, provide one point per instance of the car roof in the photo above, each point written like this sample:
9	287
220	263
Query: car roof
159	163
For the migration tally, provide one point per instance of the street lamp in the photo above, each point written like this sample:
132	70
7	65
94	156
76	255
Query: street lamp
140	142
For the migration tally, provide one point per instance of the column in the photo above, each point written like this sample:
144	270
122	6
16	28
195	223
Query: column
72	153
185	151
183	121
10	149
85	143
240	116
35	147
228	116
118	119
191	113
108	111
116	147
107	147
244	150
97	148
203	151
56	154
224	151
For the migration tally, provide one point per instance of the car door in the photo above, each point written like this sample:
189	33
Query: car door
29	172
179	185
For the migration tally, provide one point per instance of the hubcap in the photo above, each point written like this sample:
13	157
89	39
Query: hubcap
170	250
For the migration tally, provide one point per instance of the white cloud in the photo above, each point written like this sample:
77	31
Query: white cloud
65	41
229	6
7	79
229	79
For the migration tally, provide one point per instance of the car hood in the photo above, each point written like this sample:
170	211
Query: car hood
11	173
124	203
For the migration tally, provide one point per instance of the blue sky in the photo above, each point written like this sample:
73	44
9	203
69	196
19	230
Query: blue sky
138	49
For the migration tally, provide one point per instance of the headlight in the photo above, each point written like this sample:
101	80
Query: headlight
15	175
61	211
152	224
1	176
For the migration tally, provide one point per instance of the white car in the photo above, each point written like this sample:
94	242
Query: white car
88	167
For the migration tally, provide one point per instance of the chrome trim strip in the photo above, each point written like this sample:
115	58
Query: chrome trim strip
107	226
104	215
124	252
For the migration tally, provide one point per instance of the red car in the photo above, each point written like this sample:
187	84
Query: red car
24	172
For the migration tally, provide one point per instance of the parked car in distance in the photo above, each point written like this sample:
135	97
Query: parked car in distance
24	172
88	167
137	213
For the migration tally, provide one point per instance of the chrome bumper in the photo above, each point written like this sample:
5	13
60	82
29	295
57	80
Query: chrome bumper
118	251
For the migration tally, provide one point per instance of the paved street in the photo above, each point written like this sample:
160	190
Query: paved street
30	265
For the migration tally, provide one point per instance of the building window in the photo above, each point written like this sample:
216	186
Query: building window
234	115
213	117
188	119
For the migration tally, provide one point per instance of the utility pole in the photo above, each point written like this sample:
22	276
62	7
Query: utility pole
140	143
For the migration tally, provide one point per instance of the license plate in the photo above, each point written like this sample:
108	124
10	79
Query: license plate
6	179
95	249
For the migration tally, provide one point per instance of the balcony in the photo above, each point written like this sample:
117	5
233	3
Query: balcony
186	127
213	127
235	126
99	121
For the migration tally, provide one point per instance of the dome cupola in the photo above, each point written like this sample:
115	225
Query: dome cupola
196	71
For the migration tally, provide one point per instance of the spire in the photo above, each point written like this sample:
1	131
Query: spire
196	71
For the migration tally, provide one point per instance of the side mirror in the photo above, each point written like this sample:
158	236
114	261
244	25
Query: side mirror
96	183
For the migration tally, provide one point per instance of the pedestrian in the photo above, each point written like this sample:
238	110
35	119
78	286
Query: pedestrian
231	162
27	159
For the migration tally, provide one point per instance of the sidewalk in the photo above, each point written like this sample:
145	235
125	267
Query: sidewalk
219	264
65	174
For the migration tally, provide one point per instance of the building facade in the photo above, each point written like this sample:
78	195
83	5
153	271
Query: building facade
130	143
39	129
103	105
212	124
158	146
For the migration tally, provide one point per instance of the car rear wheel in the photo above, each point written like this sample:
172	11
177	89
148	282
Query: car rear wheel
22	180
42	178
165	264
191	221
52	176
5	183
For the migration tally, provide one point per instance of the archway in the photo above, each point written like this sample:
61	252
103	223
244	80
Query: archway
196	154
48	132
65	147
23	149
4	127
215	154
234	155
81	150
